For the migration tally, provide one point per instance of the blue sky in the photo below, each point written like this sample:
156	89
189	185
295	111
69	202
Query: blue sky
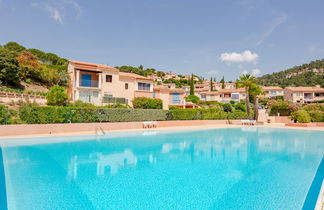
205	37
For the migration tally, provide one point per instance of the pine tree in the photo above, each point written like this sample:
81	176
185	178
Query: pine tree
192	87
223	82
211	84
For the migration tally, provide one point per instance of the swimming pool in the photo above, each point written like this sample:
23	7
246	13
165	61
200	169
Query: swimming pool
235	168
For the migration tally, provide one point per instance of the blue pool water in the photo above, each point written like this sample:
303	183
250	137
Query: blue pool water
236	168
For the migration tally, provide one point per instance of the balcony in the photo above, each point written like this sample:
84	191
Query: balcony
114	100
89	83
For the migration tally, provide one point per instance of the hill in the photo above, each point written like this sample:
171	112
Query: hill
19	66
310	74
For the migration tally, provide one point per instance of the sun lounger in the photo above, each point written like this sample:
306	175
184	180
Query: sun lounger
150	124
248	122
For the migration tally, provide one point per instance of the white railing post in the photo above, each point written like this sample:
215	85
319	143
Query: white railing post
77	80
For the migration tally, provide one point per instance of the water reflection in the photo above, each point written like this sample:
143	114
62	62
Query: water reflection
243	149
165	170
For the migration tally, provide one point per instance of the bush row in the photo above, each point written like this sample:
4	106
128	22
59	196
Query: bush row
51	114
44	115
2	114
309	113
206	114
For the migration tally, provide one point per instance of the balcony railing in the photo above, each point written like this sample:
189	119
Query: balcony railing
89	83
114	100
177	102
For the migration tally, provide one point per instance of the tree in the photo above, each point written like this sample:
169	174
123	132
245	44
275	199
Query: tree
192	87
147	103
29	65
255	92
246	81
14	46
223	82
192	98
9	68
211	84
57	96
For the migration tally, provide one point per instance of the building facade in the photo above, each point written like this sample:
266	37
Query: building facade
303	94
101	84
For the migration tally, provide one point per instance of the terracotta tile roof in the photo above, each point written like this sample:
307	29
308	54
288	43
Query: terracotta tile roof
210	93
201	90
90	66
134	76
267	88
305	89
166	89
234	90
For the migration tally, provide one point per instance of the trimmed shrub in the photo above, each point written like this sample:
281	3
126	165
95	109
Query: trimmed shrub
314	107
147	103
227	108
2	114
174	108
240	107
300	116
57	96
237	114
192	98
130	115
316	116
284	108
51	114
186	114
206	114
213	114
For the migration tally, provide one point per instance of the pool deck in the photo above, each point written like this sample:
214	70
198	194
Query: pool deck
79	129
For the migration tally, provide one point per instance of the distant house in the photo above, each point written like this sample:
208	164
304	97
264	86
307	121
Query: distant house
169	85
170	96
272	91
303	94
224	95
155	78
100	84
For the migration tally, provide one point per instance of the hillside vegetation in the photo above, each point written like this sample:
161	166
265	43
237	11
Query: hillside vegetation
310	74
32	66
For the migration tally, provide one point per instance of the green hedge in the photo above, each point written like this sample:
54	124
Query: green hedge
2	114
316	112
316	116
301	116
284	108
51	114
206	114
186	114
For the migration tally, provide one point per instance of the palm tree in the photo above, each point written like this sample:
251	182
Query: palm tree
256	91
246	81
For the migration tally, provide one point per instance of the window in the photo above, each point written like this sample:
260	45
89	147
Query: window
273	93
126	86
108	78
175	98
235	96
144	86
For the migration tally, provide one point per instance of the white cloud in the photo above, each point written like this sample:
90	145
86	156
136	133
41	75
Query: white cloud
245	72
246	56
212	72
255	72
277	22
58	8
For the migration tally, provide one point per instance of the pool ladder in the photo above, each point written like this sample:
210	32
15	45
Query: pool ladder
99	128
